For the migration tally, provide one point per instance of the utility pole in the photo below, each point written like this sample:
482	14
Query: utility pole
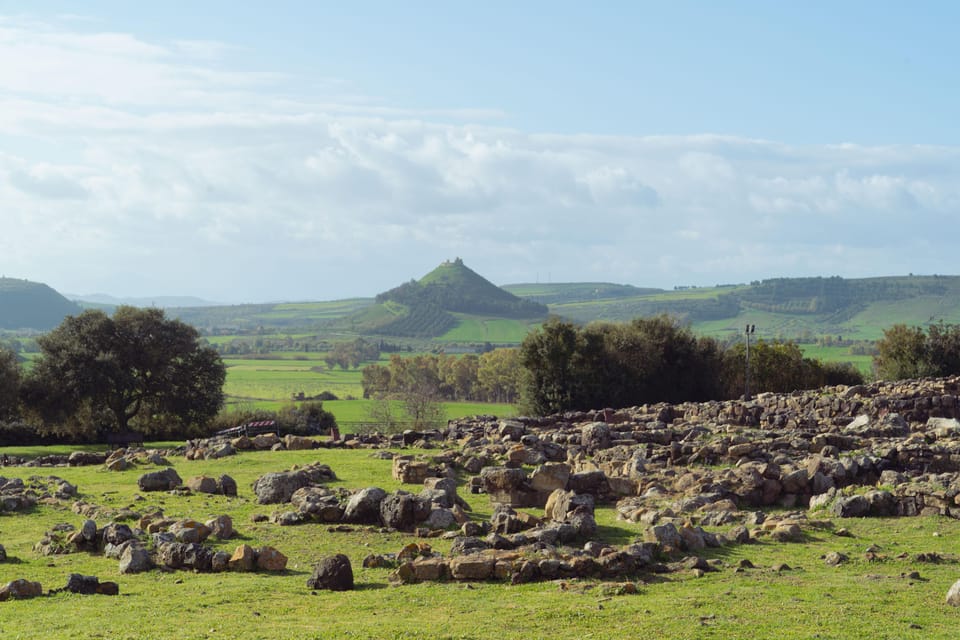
749	331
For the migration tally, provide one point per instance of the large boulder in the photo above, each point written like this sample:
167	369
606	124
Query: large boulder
269	559
274	488
507	485
595	436
202	484
159	480
549	477
333	573
397	510
135	559
363	507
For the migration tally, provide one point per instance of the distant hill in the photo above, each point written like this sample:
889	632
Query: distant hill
32	305
164	302
559	293
428	307
790	308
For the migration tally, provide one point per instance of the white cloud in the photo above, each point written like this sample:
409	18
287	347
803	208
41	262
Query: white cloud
137	167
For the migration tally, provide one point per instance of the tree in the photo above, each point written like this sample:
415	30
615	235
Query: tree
550	356
498	375
134	369
9	384
416	383
902	353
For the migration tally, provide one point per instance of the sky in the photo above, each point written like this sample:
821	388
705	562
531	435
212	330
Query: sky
318	150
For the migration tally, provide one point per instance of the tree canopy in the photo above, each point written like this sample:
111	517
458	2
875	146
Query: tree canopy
908	352
134	369
9	383
654	360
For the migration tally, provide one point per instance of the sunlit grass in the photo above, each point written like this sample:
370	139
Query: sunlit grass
860	599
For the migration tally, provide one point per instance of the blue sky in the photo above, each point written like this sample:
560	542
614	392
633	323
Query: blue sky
317	150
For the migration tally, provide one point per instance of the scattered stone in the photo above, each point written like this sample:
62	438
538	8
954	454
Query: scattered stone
165	480
333	573
20	589
953	595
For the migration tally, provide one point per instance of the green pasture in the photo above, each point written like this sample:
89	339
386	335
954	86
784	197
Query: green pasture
278	379
494	330
838	354
873	596
921	311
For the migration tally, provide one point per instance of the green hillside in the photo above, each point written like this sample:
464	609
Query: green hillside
453	287
32	305
435	306
790	308
563	292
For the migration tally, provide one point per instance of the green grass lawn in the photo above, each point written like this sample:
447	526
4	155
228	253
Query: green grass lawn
860	599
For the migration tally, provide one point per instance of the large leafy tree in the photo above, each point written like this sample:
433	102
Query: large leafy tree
134	369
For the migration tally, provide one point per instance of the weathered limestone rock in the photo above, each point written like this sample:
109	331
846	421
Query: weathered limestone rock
507	486
333	573
550	476
202	484
135	559
363	507
221	527
190	531
244	558
595	436
273	488
475	566
298	443
410	471
269	559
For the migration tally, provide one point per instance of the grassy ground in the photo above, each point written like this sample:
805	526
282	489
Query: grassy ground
861	599
494	330
268	383
839	354
277	378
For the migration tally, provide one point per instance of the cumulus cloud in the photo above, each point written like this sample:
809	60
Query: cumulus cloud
138	167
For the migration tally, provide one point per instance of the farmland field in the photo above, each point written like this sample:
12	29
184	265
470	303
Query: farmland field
493	330
277	378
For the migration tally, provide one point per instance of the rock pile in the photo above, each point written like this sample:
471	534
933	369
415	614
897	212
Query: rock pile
17	495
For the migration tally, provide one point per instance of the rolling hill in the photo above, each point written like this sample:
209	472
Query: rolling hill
453	304
32	305
432	306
